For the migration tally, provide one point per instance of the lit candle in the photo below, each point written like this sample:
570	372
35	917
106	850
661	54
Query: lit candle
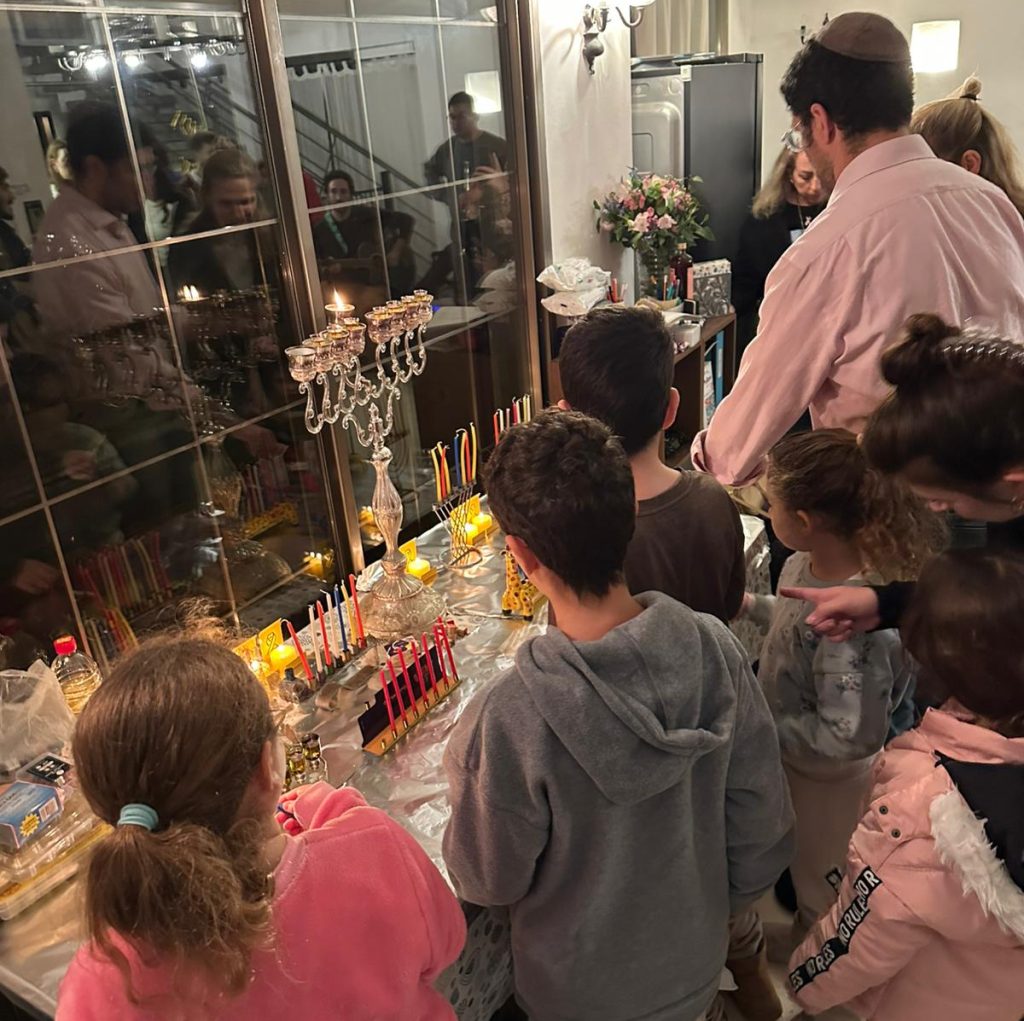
483	522
472	532
282	657
418	568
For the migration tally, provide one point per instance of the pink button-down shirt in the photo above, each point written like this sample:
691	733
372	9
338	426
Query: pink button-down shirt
904	232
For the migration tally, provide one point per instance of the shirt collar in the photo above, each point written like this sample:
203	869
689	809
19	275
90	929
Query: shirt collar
95	215
880	157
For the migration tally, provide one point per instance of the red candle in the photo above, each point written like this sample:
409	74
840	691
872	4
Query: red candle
355	603
430	663
387	702
419	669
447	647
323	632
298	648
398	692
405	674
440	659
497	427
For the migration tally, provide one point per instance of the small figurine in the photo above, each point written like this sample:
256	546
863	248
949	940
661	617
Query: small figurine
520	596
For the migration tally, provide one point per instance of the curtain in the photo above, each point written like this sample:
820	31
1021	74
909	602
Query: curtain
673	26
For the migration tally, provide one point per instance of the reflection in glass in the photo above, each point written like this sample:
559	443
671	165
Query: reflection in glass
34	602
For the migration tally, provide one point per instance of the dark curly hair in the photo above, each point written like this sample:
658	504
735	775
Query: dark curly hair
562	484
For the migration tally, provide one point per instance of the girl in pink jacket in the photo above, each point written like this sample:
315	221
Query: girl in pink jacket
929	924
199	907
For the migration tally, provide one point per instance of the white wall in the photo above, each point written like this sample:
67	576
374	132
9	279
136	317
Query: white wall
587	130
991	35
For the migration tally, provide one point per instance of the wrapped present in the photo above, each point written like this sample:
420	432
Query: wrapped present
712	287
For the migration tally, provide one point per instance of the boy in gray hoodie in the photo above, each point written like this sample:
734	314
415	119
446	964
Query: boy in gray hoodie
620	788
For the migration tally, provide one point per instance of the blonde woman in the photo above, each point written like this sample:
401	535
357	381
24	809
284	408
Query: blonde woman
783	209
960	130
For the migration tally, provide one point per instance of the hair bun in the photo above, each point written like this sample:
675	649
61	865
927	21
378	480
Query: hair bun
971	89
919	352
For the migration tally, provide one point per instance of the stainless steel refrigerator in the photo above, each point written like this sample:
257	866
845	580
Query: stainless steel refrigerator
701	116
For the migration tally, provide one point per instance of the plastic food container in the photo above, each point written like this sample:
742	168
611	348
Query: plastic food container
16	897
21	866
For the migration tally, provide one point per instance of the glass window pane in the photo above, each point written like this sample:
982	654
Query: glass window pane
406	102
327	103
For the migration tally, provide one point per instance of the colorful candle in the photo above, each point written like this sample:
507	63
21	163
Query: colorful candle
419	669
474	443
298	649
341	619
447	647
430	663
387	702
316	647
398	692
440	659
359	615
351	617
408	680
497	427
328	658
332	626
437	474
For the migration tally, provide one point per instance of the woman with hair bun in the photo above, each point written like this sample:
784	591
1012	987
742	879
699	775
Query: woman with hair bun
953	428
960	130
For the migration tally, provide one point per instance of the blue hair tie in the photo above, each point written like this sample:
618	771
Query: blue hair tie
138	815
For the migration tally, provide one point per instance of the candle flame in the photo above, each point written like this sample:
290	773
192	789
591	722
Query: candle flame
338	301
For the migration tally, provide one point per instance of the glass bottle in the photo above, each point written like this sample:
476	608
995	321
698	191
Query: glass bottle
682	263
296	767
78	674
316	768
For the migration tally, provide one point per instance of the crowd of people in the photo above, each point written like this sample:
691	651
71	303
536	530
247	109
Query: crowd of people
632	786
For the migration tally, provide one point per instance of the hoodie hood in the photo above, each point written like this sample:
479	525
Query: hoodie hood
978	825
638	707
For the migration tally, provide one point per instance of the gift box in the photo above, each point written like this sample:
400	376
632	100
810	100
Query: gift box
26	809
712	287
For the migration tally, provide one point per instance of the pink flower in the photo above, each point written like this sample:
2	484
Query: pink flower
642	223
665	222
607	226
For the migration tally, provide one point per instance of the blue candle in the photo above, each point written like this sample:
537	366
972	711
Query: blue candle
341	618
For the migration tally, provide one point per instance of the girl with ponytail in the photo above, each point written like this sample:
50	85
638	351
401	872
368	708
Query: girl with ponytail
833	703
198	905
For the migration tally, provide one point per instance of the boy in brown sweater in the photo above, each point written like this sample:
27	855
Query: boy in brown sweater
617	365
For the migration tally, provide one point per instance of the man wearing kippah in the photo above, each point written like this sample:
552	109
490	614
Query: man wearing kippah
903	232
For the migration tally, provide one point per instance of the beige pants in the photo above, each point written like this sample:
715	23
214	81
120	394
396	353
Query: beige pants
829	798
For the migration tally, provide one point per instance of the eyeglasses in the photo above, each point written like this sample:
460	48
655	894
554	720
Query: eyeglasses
793	140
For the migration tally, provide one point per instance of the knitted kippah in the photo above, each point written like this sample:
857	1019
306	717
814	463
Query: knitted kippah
865	36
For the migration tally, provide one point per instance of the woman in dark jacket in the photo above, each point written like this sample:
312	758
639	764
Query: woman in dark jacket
782	211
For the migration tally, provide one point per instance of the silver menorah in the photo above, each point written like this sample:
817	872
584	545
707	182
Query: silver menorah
330	373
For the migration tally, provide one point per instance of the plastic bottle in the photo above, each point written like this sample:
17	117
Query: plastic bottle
78	674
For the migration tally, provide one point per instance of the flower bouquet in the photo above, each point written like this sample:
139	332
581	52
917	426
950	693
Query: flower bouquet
656	216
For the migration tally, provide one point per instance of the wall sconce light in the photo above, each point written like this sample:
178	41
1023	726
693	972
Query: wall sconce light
935	46
595	21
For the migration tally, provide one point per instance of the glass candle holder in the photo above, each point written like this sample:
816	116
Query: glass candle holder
377	324
338	310
355	339
301	363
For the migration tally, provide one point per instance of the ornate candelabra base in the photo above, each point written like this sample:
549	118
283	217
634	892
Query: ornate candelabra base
399	604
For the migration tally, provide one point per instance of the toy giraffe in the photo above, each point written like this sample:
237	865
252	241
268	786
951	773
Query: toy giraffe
520	595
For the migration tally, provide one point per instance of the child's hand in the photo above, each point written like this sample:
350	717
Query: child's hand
285	815
839	613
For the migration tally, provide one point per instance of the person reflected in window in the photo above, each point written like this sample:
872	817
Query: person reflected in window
230	261
469	146
459	160
57	166
783	209
350	231
202	145
88	217
168	207
16	311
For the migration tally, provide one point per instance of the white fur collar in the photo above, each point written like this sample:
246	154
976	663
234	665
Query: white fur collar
963	845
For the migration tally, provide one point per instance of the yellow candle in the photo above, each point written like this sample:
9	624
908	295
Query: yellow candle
283	657
418	568
483	522
472	532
